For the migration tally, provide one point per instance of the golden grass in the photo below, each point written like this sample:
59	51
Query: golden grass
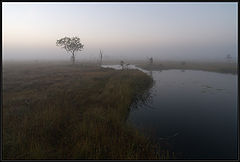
72	112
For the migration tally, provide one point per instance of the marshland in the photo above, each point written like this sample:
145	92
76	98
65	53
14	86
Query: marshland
119	81
71	112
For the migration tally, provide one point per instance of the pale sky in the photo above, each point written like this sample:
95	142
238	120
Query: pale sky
121	30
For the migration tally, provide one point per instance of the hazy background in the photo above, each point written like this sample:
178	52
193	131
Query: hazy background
177	31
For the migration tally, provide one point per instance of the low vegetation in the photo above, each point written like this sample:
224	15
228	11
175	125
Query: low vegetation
72	112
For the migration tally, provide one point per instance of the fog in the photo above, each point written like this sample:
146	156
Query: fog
164	31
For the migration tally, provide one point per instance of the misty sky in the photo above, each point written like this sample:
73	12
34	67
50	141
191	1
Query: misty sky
122	30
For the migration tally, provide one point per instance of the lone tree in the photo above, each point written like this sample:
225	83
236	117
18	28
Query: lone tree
71	45
150	60
101	57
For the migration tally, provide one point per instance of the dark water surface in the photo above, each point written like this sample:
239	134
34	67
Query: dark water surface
194	111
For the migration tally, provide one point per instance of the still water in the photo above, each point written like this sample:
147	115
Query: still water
193	112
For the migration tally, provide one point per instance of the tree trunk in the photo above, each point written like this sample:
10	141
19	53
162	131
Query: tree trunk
73	59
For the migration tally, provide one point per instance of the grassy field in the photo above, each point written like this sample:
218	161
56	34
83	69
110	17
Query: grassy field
60	111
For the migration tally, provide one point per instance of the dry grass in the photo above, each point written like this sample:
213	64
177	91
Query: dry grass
72	112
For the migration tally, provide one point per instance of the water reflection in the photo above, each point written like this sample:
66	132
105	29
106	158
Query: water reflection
192	113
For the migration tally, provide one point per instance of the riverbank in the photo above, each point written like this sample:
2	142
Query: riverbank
72	112
220	67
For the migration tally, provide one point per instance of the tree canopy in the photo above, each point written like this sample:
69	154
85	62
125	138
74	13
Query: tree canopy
70	44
